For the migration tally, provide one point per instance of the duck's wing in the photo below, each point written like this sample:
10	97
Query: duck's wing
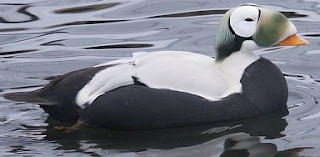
175	70
182	71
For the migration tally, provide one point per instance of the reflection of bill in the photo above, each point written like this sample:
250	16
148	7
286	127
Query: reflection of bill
244	145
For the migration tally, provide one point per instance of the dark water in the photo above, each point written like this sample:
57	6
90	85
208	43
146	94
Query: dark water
40	39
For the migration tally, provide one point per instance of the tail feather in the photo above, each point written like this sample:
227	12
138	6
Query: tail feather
28	97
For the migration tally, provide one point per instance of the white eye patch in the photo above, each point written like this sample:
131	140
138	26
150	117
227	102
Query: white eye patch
244	20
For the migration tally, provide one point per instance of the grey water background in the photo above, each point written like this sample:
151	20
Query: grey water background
40	39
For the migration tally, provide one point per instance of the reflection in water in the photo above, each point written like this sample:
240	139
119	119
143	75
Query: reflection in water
241	139
244	145
269	126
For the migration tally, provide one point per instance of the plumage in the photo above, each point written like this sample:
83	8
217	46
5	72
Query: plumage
177	88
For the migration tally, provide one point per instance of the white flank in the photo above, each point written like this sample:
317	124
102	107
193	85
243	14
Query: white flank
175	70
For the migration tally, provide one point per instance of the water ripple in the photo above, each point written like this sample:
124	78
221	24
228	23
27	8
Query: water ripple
121	46
20	12
153	44
313	52
303	78
86	8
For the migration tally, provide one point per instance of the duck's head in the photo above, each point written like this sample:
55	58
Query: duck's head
249	27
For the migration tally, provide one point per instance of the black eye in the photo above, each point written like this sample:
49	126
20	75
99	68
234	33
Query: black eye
248	19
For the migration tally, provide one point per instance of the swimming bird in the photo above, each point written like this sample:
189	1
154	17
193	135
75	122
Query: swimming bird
176	88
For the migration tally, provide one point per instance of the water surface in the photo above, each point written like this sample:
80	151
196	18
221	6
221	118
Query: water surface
40	39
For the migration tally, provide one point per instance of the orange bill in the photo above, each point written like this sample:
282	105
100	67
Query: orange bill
293	40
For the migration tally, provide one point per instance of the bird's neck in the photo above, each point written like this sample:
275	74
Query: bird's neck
237	61
235	65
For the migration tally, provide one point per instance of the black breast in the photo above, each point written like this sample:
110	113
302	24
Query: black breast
265	86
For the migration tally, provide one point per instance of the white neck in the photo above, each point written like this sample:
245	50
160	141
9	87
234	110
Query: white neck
234	66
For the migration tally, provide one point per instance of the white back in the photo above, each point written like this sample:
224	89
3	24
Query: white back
182	71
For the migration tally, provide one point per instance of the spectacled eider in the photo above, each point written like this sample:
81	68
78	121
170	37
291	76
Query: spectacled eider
174	88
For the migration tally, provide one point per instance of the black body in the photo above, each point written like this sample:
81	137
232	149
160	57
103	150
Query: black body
139	107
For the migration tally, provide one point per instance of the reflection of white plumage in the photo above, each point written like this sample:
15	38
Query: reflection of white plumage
174	88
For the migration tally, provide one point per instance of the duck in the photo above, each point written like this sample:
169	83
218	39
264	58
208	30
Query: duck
165	89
